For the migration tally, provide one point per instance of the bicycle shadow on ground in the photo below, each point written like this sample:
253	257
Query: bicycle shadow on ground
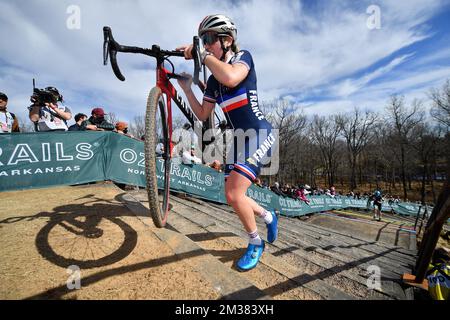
87	235
60	291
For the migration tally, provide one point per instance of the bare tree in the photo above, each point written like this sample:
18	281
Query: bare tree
178	122
112	118
441	105
426	141
356	130
309	159
285	117
325	133
403	121
137	126
383	150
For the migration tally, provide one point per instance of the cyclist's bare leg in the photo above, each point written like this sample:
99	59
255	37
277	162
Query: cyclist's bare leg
257	209
235	191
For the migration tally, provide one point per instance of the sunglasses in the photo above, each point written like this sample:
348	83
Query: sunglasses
209	38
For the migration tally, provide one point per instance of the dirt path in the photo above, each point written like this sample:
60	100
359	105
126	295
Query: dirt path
119	257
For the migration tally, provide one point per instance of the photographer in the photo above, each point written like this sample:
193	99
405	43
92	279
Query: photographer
8	121
97	121
45	112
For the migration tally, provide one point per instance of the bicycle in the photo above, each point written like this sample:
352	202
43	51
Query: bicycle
158	116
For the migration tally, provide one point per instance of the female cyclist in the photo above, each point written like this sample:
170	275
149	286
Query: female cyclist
232	85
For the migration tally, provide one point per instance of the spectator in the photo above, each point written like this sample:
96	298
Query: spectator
276	189
49	116
122	128
215	165
258	182
290	191
97	121
183	138
189	157
8	120
320	191
301	195
390	199
80	122
287	191
333	191
159	149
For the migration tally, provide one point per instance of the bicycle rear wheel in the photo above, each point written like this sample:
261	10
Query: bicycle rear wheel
157	133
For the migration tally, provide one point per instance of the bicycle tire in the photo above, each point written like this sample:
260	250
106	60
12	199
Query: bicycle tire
156	128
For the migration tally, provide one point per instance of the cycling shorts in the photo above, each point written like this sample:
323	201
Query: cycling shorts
250	152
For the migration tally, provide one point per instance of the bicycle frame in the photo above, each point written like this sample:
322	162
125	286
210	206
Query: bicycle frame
166	91
163	82
163	76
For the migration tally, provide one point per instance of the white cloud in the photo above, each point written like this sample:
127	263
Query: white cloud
413	85
294	50
349	86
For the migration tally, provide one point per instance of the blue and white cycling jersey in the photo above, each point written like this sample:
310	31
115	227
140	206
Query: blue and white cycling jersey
239	104
241	109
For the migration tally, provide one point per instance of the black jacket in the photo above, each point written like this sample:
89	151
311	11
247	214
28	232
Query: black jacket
76	127
103	124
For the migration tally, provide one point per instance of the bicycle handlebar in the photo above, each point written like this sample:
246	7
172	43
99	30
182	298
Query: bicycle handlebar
197	60
111	47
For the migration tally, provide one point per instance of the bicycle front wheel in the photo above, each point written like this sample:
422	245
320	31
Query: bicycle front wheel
157	153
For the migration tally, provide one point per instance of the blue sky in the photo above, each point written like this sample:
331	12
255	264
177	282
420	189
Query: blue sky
321	55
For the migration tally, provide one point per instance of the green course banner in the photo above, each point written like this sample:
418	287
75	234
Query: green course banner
38	160
126	164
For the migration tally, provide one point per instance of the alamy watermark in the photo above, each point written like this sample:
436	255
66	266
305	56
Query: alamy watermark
73	21
374	280
374	20
256	147
74	280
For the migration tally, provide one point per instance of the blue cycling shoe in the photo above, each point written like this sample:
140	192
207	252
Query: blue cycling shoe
272	228
251	257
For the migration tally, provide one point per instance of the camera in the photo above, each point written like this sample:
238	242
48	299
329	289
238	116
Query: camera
41	97
48	95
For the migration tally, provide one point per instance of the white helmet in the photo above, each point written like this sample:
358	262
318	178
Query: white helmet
218	23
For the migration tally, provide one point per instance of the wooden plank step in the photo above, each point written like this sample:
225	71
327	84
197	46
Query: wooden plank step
229	284
287	273
355	250
349	237
320	262
371	245
338	278
316	245
391	256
